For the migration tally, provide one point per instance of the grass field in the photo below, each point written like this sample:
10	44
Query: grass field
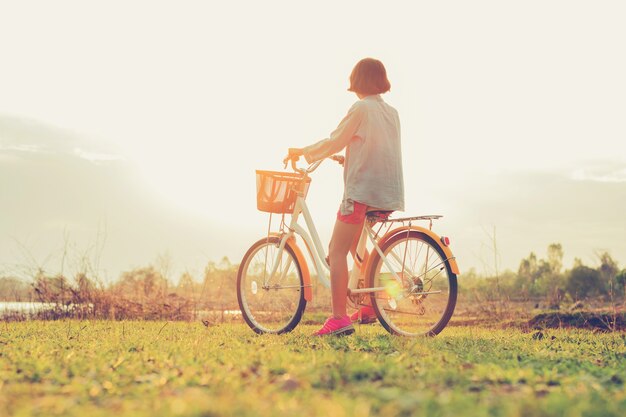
177	368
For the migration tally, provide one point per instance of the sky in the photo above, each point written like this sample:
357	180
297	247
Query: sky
130	130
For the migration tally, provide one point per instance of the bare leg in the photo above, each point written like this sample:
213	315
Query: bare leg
340	243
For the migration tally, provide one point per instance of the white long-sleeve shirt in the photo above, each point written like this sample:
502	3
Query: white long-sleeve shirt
372	171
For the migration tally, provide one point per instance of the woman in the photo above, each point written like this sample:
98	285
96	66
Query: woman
370	133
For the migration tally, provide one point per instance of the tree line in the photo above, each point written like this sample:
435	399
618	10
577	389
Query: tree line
141	293
148	292
546	279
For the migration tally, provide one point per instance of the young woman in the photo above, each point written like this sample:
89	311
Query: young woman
370	133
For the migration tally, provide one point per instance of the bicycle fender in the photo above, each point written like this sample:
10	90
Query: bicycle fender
304	268
437	239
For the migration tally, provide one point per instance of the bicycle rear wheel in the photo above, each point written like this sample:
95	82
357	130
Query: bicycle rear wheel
422	301
270	304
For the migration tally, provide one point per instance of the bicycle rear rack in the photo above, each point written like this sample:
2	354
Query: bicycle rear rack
429	218
408	219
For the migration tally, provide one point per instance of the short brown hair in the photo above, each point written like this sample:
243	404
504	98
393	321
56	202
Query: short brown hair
369	77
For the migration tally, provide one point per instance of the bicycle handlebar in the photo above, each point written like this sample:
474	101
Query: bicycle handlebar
312	167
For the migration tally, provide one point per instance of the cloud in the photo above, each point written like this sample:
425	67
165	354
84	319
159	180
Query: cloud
96	157
24	137
21	148
600	173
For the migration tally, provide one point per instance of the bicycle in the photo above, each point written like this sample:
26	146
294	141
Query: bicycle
409	276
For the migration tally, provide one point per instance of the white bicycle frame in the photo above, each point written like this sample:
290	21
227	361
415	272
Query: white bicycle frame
316	250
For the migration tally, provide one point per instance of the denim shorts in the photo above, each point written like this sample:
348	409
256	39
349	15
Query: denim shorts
359	213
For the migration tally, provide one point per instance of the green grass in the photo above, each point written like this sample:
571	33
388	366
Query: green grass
167	369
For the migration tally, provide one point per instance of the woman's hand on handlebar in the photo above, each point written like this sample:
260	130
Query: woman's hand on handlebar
293	155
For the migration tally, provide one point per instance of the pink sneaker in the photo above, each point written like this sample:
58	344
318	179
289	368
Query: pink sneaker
336	327
367	313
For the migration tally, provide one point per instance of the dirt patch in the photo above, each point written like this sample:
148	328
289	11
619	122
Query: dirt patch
489	322
581	319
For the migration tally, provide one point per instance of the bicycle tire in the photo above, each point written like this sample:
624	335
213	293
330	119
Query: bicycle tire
264	317
447	287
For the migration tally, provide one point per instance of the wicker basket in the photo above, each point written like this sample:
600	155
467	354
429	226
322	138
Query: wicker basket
276	192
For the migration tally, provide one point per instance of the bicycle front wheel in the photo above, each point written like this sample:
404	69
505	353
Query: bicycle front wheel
417	288
270	304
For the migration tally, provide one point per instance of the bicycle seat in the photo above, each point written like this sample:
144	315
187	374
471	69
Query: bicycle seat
378	215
